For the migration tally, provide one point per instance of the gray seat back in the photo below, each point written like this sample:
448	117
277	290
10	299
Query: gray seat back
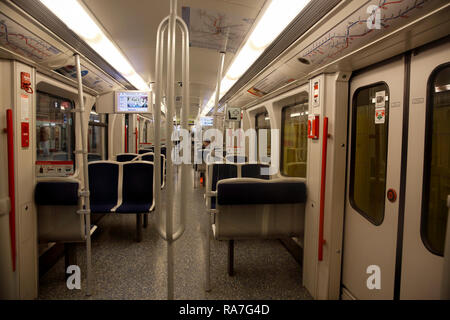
254	208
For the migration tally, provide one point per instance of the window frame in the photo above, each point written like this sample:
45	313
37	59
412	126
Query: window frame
282	137
353	151
73	131
102	125
427	157
265	113
259	114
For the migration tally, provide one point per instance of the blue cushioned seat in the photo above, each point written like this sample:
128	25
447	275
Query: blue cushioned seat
142	151
137	188
56	193
150	157
124	157
103	185
253	170
221	171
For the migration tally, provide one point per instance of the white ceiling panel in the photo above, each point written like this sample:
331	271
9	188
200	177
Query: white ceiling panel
132	25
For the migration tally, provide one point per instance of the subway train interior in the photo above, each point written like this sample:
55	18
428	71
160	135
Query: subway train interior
302	149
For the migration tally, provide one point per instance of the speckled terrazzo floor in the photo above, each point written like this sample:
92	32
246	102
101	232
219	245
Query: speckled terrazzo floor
125	269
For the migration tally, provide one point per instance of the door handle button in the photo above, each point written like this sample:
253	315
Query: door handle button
392	195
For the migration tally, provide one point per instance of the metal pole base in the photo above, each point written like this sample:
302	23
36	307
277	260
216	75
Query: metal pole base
231	258
138	227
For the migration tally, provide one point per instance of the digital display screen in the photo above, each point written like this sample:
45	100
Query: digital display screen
132	101
207	121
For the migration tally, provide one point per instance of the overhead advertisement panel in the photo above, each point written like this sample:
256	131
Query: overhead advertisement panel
372	20
210	29
276	79
369	22
19	40
90	78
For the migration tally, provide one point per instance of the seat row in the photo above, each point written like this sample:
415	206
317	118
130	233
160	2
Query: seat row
114	187
152	149
121	187
245	204
219	171
149	156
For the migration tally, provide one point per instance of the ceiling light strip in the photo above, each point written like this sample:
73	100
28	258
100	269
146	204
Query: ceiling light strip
307	18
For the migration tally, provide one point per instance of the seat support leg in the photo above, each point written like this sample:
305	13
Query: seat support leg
145	220
70	256
231	258
138	227
207	235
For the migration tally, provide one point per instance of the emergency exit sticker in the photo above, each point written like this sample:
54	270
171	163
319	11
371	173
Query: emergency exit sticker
380	115
380	107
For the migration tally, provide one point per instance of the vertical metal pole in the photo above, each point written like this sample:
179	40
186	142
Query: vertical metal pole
157	117
219	77
169	129
218	81
87	206
185	112
168	235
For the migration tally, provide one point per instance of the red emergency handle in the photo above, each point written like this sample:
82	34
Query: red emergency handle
11	185
322	186
136	139
126	139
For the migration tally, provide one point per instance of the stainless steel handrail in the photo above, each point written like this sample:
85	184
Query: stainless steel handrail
85	189
170	24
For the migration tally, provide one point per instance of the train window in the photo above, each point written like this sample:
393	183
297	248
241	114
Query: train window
55	128
97	136
262	121
144	132
368	154
294	141
436	175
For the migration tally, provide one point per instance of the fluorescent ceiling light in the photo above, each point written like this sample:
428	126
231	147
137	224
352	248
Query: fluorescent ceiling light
275	19
295	115
73	14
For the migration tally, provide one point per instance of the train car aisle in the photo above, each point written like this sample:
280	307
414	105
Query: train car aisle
125	269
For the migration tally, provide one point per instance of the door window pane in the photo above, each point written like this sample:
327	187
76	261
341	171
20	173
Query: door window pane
437	162
369	152
96	137
262	121
54	128
294	142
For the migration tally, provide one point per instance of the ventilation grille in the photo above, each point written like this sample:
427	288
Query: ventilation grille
40	12
306	19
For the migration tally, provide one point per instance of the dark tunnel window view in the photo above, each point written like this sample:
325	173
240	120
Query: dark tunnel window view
225	155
